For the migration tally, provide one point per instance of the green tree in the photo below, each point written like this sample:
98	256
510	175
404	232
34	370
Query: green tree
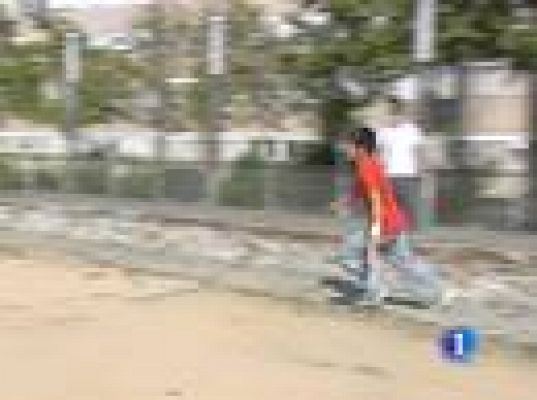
483	30
106	90
365	41
28	68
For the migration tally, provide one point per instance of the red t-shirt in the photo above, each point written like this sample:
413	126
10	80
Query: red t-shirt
370	177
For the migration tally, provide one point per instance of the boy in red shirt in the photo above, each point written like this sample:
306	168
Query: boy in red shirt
372	190
386	218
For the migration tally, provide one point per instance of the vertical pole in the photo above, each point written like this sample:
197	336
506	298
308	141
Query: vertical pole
161	115
111	163
532	154
465	185
216	68
424	49
532	142
72	78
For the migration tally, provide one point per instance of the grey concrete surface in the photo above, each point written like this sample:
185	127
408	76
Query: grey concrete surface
491	277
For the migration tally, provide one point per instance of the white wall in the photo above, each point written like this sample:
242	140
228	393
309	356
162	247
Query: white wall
182	146
39	142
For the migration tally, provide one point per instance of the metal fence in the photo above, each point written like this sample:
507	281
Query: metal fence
256	177
488	189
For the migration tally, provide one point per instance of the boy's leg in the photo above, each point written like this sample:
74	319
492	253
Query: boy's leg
354	239
397	250
408	191
373	273
362	257
414	275
353	255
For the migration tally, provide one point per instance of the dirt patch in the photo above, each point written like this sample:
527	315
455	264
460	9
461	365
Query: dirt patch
213	344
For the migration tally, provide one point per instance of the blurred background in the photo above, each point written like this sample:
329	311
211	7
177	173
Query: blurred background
237	103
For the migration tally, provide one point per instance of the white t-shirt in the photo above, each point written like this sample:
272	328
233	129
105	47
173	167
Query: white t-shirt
399	146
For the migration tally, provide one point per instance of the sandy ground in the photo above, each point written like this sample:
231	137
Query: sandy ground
79	332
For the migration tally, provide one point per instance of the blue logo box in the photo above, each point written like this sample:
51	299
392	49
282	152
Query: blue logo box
459	344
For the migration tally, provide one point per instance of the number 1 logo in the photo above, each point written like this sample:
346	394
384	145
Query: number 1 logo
459	344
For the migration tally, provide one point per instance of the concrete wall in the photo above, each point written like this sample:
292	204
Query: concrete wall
497	102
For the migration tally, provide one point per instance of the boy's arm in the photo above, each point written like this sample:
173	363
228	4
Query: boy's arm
375	216
346	198
343	201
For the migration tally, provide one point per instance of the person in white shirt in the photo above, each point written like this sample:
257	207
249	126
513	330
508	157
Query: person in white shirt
400	143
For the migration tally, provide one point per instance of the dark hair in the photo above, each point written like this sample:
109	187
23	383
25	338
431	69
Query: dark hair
367	139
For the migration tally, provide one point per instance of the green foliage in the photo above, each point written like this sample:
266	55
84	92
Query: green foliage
245	186
373	39
197	106
246	41
370	38
106	89
303	187
177	41
139	182
88	177
47	179
320	154
484	30
11	178
27	67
